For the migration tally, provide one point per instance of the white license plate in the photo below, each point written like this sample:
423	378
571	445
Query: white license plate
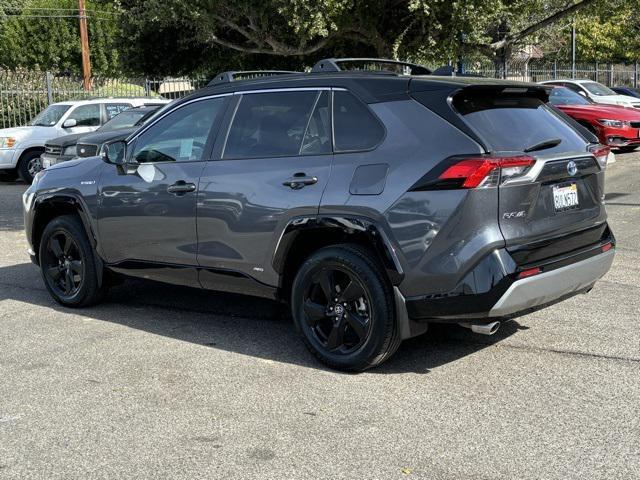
565	197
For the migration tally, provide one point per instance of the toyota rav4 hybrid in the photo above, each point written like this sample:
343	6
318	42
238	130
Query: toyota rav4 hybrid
374	203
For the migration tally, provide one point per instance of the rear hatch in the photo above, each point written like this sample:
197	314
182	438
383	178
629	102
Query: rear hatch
551	185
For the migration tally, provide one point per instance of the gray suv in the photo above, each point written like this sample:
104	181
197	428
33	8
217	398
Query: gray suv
373	202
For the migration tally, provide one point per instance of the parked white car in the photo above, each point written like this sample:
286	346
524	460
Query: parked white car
596	92
21	147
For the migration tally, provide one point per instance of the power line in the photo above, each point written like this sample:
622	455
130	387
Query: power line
57	16
72	10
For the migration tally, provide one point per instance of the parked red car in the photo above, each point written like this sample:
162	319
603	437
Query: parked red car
616	126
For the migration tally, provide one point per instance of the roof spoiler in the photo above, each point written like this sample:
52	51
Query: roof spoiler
333	65
234	76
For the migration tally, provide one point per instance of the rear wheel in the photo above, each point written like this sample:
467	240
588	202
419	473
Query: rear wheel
67	263
29	165
344	308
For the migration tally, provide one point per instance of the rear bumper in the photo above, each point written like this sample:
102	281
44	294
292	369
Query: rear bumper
547	287
493	288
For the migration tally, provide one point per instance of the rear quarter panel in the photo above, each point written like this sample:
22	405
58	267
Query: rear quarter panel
438	236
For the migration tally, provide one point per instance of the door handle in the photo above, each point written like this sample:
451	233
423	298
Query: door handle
181	188
299	180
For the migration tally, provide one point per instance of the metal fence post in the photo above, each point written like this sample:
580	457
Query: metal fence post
597	73
635	74
49	80
555	69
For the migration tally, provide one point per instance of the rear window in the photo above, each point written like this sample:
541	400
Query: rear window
512	123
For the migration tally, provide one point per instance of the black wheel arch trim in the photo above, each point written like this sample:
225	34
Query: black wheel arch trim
76	202
348	225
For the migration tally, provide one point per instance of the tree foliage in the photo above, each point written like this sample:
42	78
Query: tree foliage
45	34
293	33
173	37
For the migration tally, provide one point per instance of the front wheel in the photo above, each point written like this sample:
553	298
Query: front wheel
344	308
68	264
29	165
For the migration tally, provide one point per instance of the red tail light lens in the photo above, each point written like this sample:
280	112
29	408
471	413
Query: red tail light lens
477	172
606	247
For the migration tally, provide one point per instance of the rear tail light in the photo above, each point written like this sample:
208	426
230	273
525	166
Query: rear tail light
485	171
601	152
606	247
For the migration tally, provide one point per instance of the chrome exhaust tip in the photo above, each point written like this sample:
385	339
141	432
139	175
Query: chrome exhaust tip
484	329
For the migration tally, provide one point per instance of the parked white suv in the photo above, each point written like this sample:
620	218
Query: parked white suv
596	92
21	147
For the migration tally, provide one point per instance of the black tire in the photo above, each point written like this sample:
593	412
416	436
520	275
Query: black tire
627	149
8	175
64	248
364	333
29	165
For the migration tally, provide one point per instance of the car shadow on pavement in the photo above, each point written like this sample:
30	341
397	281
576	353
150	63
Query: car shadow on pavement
246	325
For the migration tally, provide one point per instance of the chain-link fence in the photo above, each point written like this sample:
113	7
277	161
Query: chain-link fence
24	93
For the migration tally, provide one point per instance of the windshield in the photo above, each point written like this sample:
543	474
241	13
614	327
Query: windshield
126	119
598	89
50	116
564	96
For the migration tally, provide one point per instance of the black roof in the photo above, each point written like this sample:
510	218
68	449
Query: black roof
370	86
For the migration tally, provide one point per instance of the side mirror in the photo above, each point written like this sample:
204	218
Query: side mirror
69	123
582	93
115	153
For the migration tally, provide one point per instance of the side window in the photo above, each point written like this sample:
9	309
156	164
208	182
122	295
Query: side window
181	136
113	109
86	115
270	124
354	126
317	137
573	86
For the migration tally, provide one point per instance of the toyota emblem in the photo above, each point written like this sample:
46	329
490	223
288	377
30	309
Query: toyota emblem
572	168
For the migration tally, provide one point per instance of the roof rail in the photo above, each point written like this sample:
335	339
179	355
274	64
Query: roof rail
332	65
226	77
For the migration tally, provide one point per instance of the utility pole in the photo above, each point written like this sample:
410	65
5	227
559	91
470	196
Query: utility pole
84	40
573	49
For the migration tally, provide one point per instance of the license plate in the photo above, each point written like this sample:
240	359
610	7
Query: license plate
565	197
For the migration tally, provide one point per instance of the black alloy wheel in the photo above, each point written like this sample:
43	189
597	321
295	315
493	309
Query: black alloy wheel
69	265
343	305
63	265
337	309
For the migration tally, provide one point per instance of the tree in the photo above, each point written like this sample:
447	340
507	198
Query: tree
44	33
295	32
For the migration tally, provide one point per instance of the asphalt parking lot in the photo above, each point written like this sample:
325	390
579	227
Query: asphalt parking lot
166	382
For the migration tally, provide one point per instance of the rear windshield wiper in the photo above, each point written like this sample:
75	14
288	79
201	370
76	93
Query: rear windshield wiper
552	142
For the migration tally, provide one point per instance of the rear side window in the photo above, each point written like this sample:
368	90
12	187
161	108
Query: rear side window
113	109
354	126
516	123
86	115
274	125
